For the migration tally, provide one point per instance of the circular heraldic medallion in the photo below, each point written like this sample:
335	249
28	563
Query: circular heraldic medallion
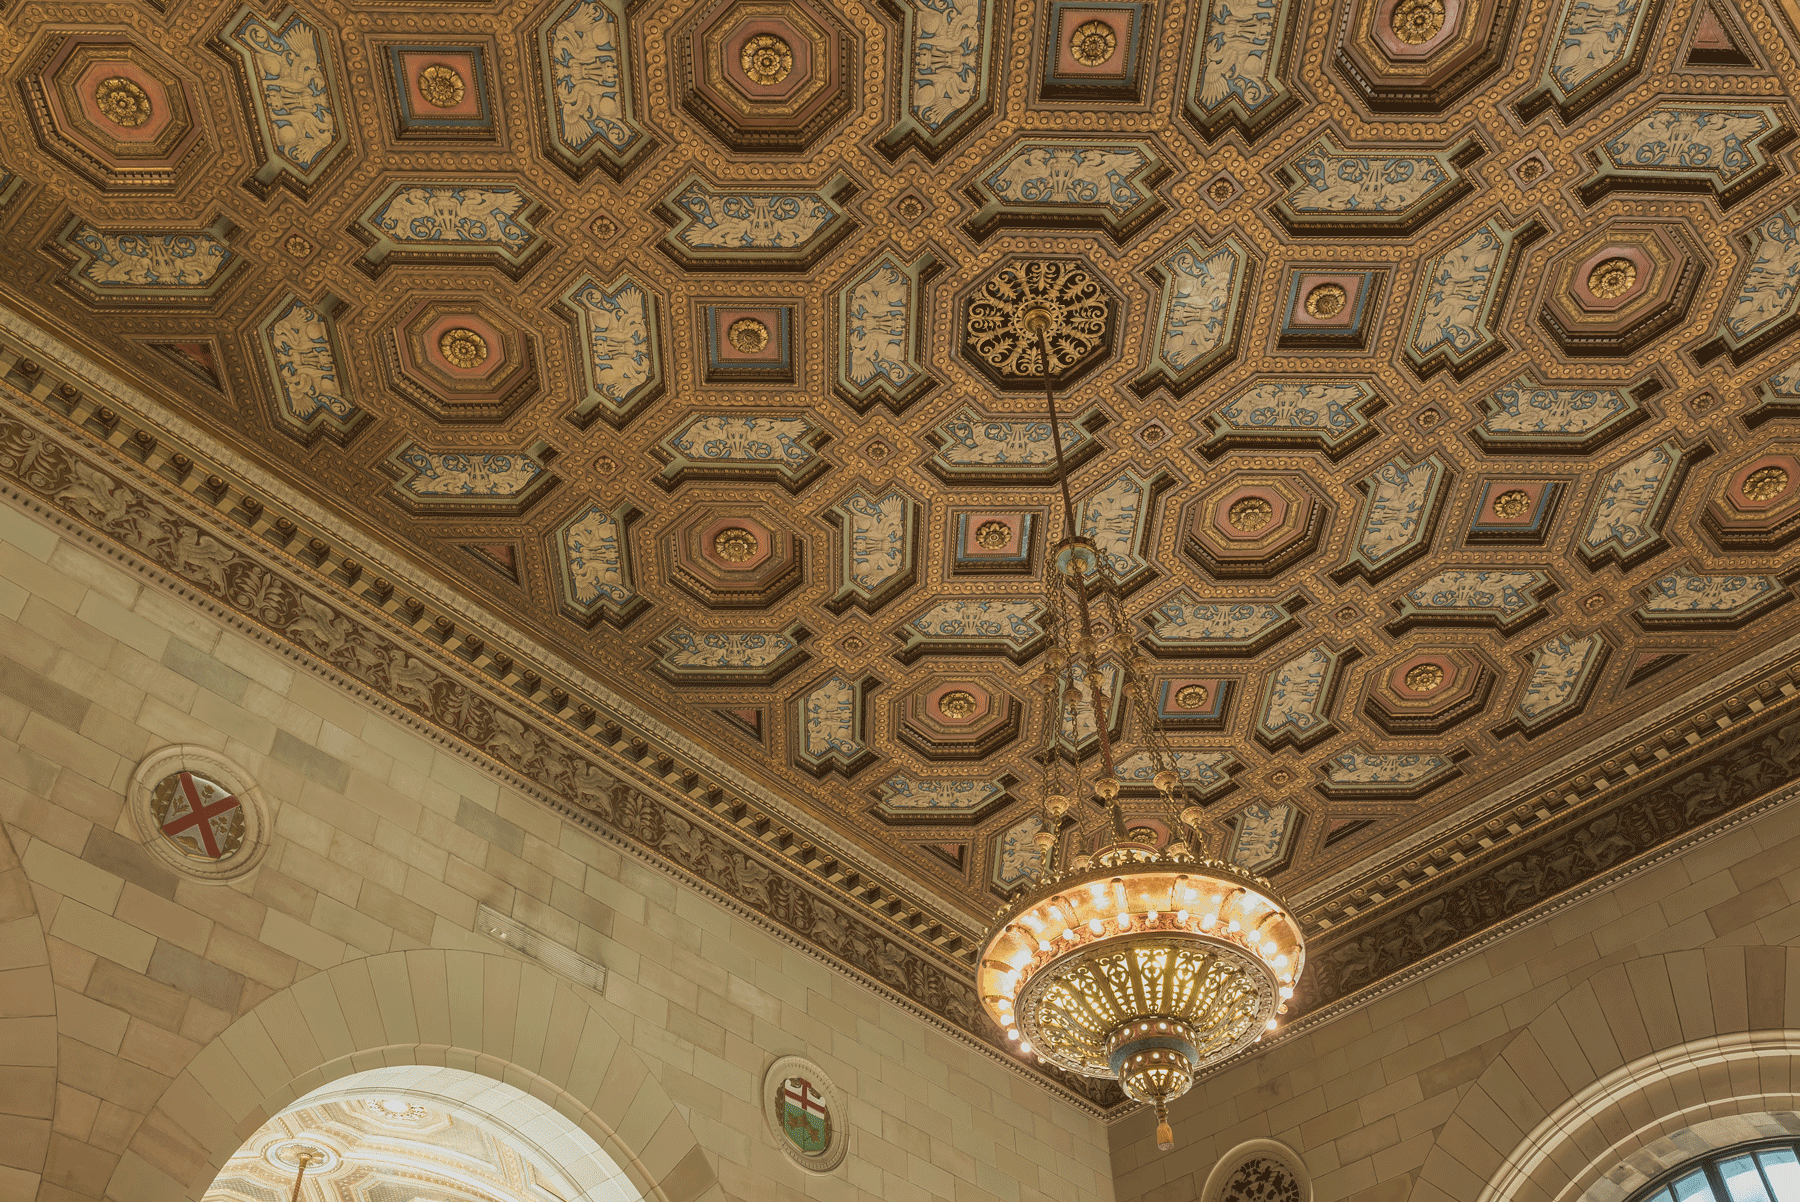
807	1115
198	812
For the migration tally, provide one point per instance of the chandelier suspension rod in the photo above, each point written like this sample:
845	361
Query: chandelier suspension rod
304	1159
1097	699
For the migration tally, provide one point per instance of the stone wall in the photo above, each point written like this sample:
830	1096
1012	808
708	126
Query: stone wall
1424	1092
149	1022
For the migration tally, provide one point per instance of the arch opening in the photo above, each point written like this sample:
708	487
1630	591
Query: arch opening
1680	1154
421	1133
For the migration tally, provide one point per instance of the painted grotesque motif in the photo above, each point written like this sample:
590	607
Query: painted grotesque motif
593	547
468	474
308	371
1239	53
1557	670
740	220
1457	292
949	41
1396	505
151	261
1052	174
878	329
588	66
292	92
440	213
1332	180
1296	693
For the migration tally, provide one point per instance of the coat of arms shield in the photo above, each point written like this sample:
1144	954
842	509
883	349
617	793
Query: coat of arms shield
805	1118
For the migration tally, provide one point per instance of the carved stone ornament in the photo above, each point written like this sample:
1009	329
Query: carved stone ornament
808	1116
1261	1170
199	813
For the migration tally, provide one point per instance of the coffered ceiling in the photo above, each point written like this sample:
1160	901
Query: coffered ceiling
1426	367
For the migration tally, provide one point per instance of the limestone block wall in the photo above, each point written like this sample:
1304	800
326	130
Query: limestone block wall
1678	982
148	1022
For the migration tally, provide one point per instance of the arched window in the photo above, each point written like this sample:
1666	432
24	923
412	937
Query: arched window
1764	1172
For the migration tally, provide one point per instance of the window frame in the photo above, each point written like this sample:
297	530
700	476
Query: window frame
1709	1163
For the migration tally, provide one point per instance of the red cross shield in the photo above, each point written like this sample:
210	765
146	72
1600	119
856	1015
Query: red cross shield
198	816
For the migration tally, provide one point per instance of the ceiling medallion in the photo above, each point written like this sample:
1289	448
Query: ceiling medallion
1065	295
1424	678
304	1155
1416	22
1612	277
748	335
991	536
1192	696
1764	484
297	246
957	704
1530	169
1250	514
909	208
1512	503
1326	300
463	348
734	544
1134	961
441	86
1221	190
1092	43
767	59
122	101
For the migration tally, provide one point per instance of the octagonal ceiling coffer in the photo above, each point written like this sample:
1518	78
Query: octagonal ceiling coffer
115	112
461	359
956	717
1754	504
767	75
1422	56
735	556
1254	524
1614	291
1428	692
